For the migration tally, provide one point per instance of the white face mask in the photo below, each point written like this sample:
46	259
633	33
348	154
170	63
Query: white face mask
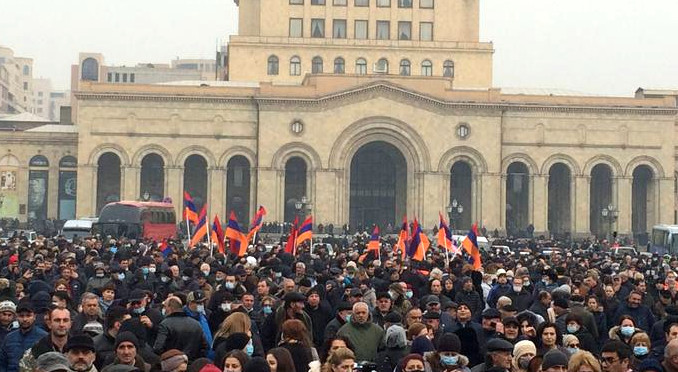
151	269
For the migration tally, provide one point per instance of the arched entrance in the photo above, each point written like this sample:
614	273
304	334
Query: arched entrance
642	202
152	185
38	187
238	188
295	186
68	187
559	218
517	198
108	180
195	179
601	197
378	188
461	181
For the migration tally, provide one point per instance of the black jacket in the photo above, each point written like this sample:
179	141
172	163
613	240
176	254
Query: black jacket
181	332
104	344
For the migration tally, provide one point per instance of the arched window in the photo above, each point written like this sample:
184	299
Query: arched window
361	66
426	68
90	69
448	69
405	67
317	65
295	66
272	65
339	65
27	70
381	66
39	161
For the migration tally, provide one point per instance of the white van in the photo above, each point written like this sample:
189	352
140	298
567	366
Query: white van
79	228
483	243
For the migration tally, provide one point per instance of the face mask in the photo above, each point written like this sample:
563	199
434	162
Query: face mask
162	311
219	279
526	283
249	349
114	250
144	270
164	279
121	276
227	307
448	360
524	362
572	350
139	310
151	269
201	309
185	278
572	328
348	318
278	275
100	275
206	273
517	288
267	310
640	350
409	294
627	331
229	285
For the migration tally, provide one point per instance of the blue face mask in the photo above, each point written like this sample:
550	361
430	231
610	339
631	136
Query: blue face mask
267	310
144	270
139	310
640	351
114	250
627	331
229	285
449	360
201	309
348	318
572	350
121	276
249	349
572	328
409	294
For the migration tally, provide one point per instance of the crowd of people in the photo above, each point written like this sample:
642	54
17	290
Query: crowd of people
122	305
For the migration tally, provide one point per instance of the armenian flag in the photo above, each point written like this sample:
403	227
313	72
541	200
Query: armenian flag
305	231
165	248
237	240
257	222
190	211
372	246
291	245
402	238
470	244
419	244
201	228
445	235
218	234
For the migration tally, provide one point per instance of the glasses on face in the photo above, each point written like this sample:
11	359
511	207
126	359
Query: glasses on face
608	360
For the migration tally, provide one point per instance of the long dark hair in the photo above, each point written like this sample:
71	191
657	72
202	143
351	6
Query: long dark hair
294	329
284	359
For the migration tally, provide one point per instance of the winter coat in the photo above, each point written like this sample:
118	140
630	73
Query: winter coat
181	332
473	300
14	346
366	338
432	363
320	317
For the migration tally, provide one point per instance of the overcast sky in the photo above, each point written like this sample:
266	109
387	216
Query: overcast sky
594	46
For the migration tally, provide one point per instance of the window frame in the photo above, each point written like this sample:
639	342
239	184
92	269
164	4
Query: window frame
401	24
334	3
367	29
361	66
335	22
428	65
433	4
318	2
339	61
296	2
404	6
316	20
315	64
301	29
295	61
380	3
388	28
446	67
385	61
365	4
421	38
273	61
405	63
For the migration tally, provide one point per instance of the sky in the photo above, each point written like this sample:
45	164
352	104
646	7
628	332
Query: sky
604	47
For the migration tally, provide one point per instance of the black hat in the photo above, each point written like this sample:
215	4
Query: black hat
393	317
381	295
80	342
126	336
554	358
25	306
509	308
196	296
236	341
355	292
256	364
136	295
343	306
431	299
431	315
498	344
561	302
449	342
294	297
305	282
450	305
491	313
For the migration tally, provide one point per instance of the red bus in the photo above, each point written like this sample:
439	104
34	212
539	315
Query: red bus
137	220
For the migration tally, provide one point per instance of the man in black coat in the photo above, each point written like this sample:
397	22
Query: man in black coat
181	332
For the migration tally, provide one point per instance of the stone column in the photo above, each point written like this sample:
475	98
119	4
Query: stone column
86	197
129	182
623	203
216	189
53	192
174	179
502	203
539	203
664	202
582	202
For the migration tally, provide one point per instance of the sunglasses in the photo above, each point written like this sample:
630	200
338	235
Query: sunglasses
573	345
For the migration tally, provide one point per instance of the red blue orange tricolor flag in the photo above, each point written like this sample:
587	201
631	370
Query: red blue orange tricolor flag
190	211
470	244
200	228
445	235
419	244
291	245
372	245
218	234
257	222
402	238
305	231
237	240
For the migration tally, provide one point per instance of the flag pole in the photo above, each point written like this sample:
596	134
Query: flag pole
188	228
209	238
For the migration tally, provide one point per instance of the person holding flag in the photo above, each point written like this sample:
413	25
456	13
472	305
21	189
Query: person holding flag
445	239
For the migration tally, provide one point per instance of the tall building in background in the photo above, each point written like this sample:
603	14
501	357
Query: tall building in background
16	83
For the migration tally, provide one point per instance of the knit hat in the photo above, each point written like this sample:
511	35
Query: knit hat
421	345
52	361
7	306
523	347
80	342
172	359
554	358
126	336
449	342
396	337
236	341
256	364
568	339
211	368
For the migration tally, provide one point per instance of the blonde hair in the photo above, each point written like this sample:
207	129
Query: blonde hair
640	337
583	358
337	357
235	323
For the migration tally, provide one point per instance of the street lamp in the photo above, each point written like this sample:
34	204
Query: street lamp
610	214
454	211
